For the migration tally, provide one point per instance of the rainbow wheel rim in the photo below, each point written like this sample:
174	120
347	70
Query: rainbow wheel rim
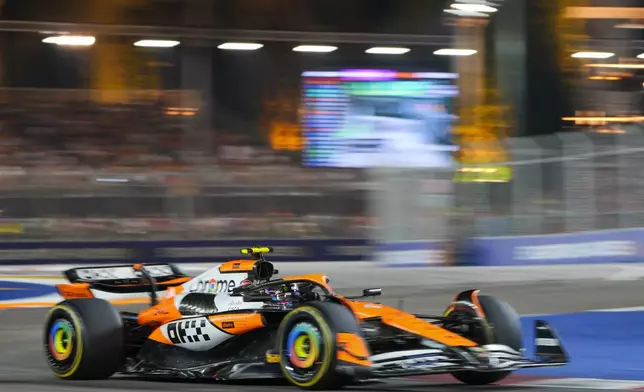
61	340
303	345
304	351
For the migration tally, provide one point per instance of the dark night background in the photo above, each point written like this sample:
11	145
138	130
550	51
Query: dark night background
527	62
243	83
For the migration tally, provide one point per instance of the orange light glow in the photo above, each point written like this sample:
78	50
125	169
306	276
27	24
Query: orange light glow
605	119
605	12
604	78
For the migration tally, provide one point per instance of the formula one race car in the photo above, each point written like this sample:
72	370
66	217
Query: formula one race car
235	321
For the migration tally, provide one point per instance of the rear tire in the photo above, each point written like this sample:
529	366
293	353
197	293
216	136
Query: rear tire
502	325
83	339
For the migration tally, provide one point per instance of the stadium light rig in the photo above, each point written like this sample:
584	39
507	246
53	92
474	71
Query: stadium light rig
240	46
472	8
156	43
455	52
593	55
70	40
315	48
387	50
617	65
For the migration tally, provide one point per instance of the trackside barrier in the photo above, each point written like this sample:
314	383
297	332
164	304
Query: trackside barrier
608	246
108	252
412	254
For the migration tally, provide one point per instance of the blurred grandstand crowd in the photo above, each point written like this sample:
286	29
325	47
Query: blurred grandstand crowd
66	135
73	168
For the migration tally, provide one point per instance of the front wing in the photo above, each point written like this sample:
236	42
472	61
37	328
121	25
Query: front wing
487	358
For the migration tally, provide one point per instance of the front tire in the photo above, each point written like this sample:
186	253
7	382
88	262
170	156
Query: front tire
307	346
501	325
83	339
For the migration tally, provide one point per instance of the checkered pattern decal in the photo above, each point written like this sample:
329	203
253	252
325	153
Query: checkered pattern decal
188	331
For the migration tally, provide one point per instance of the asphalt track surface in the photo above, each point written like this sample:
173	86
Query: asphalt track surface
23	367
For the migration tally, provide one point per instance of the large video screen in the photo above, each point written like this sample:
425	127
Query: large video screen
367	118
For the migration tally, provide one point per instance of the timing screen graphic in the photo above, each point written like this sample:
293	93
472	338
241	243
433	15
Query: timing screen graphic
362	118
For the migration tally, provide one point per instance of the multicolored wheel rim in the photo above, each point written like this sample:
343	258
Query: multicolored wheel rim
304	350
61	344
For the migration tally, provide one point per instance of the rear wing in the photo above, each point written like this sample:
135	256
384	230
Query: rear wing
132	278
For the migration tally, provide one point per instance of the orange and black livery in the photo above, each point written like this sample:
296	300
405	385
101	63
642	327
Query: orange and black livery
238	321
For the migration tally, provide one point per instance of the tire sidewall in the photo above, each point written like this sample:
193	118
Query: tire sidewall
67	316
327	353
97	338
503	322
501	325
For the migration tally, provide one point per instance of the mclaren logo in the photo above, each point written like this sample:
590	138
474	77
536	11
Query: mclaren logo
213	286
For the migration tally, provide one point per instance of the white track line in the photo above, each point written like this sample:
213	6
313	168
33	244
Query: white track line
584	383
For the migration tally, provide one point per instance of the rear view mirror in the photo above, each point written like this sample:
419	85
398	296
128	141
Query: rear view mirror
371	292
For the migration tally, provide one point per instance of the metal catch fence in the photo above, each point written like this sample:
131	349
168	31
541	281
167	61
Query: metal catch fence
567	182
